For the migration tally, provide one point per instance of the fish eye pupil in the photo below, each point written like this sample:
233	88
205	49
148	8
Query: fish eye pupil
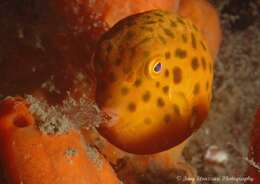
158	67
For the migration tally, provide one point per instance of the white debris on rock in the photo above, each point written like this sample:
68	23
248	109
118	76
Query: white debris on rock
50	86
252	163
80	76
38	43
95	156
83	113
215	155
50	119
20	33
71	152
33	69
71	114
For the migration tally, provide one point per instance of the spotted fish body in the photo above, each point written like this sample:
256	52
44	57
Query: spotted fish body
154	75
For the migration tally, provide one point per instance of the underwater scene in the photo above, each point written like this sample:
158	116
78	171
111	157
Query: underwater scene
129	92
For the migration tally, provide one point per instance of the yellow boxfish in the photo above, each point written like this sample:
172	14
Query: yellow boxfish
154	79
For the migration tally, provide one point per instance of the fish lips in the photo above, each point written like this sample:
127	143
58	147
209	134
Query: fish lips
111	116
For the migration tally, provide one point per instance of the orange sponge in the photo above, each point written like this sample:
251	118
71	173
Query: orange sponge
205	16
29	156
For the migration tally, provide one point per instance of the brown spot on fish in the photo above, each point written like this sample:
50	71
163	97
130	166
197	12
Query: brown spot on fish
184	38
167	55
132	107
203	62
168	32
138	82
150	22
203	45
207	85
148	17
195	27
180	53
195	63
158	14
196	89
173	24
167	118
124	91
177	75
160	102
129	35
162	39
176	109
160	20
193	41
145	40
150	29
157	84
146	96
165	89
210	67
181	21
166	73
194	117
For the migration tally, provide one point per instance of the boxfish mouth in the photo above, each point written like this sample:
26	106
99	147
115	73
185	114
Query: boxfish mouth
111	116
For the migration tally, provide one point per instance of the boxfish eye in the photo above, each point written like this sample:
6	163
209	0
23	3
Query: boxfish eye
157	67
154	67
